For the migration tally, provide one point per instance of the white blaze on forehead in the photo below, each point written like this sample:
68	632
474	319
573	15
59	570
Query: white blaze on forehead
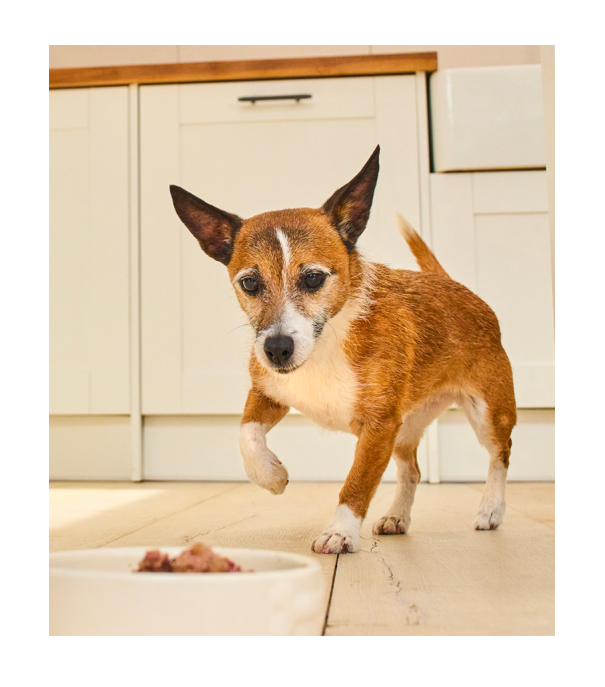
285	246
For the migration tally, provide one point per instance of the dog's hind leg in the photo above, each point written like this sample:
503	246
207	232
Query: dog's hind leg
397	519
492	420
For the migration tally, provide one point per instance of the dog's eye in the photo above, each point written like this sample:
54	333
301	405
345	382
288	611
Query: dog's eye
314	280
249	284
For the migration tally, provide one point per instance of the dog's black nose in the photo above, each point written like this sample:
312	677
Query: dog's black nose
279	349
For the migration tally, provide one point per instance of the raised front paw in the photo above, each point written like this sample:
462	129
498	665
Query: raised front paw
391	524
334	542
268	473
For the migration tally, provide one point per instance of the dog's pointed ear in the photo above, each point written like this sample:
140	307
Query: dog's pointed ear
349	208
214	229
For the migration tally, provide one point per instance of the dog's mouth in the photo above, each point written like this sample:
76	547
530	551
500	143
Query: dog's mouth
287	369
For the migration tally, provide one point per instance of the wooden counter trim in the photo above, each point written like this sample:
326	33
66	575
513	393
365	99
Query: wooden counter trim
245	70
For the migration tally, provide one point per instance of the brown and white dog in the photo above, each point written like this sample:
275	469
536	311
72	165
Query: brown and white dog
400	347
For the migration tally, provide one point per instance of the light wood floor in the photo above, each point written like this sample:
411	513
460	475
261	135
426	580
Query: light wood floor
443	578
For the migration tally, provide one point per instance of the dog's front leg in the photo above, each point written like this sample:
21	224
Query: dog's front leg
372	456
262	466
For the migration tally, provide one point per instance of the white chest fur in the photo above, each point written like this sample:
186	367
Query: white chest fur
325	386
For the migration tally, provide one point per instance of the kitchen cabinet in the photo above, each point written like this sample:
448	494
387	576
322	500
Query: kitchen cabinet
490	231
148	355
89	252
248	158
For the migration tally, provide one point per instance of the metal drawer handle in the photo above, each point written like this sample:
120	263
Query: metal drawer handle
253	98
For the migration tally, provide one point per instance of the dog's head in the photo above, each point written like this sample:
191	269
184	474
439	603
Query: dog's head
290	268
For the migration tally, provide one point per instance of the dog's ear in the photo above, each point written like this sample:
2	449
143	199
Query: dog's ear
349	208
214	229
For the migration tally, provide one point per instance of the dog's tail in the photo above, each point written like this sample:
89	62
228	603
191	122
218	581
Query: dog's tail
423	254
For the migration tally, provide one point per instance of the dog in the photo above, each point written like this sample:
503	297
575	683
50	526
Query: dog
358	347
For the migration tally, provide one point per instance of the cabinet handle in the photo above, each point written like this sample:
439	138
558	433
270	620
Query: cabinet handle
253	98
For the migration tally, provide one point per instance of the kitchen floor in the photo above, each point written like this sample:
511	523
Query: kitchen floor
443	578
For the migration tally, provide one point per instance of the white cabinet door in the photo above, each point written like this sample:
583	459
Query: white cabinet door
490	231
249	158
89	251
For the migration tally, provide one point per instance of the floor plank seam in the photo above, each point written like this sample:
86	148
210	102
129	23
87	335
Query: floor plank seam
323	632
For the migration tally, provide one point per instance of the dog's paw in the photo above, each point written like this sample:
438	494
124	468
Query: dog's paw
278	480
268	473
489	517
392	524
333	542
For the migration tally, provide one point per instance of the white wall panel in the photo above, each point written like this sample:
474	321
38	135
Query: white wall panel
490	232
109	305
452	226
398	188
89	251
69	262
160	251
69	109
509	192
463	459
94	447
189	447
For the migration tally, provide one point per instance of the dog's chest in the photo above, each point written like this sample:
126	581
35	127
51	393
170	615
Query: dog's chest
324	388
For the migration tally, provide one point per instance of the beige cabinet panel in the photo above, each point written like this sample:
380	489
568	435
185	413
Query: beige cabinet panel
89	447
462	459
490	231
205	447
89	251
248	159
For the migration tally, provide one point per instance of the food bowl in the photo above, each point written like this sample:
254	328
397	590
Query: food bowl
96	592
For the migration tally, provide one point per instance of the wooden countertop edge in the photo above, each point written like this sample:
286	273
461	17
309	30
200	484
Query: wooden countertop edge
245	70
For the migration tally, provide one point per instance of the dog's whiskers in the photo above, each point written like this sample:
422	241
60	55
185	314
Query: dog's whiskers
332	328
246	324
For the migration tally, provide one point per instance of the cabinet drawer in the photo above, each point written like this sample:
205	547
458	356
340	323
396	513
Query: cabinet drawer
330	99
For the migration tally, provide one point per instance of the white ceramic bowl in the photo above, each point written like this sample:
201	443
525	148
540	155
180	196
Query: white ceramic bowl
96	592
